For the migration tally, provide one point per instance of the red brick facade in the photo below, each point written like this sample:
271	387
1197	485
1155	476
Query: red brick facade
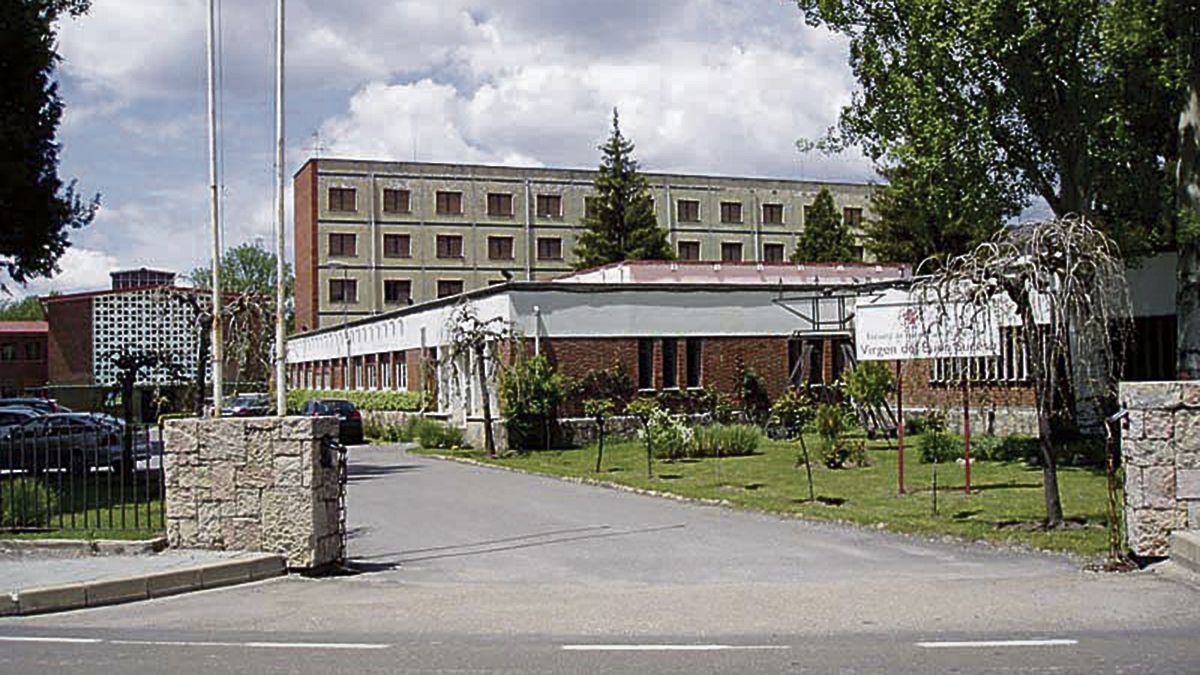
22	356
307	287
69	351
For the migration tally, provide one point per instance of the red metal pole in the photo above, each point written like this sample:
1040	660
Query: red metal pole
900	426
967	430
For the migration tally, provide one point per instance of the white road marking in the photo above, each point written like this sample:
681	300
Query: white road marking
666	648
1059	642
60	640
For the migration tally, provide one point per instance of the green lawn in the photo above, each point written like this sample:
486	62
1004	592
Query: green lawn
1006	504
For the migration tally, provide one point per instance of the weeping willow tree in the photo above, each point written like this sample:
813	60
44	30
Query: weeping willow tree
1064	280
468	341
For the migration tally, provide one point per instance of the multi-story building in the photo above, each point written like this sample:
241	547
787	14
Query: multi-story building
375	236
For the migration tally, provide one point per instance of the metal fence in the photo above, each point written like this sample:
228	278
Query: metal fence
73	474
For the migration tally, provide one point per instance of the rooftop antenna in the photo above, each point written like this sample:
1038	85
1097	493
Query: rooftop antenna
317	147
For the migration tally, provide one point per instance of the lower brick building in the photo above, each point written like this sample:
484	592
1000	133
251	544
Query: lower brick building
23	357
675	328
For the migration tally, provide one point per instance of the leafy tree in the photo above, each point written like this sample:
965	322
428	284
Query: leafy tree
825	238
39	211
1186	15
27	309
621	224
530	393
921	213
599	409
248	268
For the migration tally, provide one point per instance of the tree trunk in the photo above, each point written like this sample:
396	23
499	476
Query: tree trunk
488	440
1044	393
1054	512
1188	292
600	444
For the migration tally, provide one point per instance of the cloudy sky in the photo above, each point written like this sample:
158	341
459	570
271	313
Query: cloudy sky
703	86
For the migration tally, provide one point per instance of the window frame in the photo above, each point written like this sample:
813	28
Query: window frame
558	241
509	240
405	252
500	213
341	238
679	211
449	238
774	245
725	206
462	287
401	283
344	284
339	205
439	195
407	193
690	242
538	212
740	249
773	206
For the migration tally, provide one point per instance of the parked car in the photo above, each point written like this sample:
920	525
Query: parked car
42	405
71	441
248	405
14	416
350	425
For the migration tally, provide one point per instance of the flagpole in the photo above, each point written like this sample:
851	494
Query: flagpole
218	360
280	332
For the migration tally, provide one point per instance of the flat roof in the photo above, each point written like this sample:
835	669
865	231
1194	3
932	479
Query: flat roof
24	327
741	274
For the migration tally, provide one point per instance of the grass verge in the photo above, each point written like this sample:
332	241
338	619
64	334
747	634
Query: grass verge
1006	505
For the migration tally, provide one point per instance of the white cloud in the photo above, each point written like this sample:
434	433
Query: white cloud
81	270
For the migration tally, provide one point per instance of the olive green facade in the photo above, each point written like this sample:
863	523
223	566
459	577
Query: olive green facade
530	208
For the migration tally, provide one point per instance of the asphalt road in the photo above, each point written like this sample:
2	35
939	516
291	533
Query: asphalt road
466	569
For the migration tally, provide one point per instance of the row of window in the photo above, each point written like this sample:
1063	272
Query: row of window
447	246
10	352
668	352
501	205
380	371
395	291
450	246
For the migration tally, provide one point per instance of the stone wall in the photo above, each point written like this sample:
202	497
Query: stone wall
1160	448
253	484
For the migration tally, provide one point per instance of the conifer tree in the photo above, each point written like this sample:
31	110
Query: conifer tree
825	238
620	223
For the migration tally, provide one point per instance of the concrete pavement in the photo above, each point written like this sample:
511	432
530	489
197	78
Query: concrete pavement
475	569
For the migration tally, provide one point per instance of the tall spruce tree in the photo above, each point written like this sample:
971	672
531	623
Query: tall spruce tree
620	223
39	210
825	238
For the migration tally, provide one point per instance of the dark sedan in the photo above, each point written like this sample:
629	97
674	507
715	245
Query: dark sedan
67	441
350	425
248	405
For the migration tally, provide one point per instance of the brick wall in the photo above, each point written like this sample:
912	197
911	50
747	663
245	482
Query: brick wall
22	373
69	343
307	286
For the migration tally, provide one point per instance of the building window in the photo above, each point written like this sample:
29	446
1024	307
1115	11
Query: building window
731	251
8	351
852	217
687	210
449	246
397	246
591	207
772	253
549	248
549	206
500	204
33	351
402	372
689	250
731	212
397	291
645	363
694	352
670	363
500	248
342	245
397	201
449	203
448	287
343	199
772	214
344	291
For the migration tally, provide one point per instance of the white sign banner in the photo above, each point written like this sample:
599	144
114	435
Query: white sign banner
895	326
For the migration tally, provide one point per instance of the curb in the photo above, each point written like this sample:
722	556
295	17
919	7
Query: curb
1185	549
244	569
81	548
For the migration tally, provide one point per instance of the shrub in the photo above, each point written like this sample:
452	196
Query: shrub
434	435
670	437
940	446
27	502
845	452
530	393
930	420
725	440
752	391
613	384
829	421
869	382
407	401
791	413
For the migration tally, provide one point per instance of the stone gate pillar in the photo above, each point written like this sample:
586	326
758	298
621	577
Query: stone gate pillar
1160	450
267	484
